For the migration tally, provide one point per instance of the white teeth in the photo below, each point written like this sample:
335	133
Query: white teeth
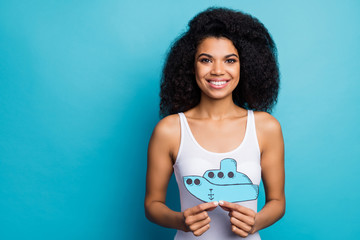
218	83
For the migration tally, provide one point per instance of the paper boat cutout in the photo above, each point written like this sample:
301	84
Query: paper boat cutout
222	184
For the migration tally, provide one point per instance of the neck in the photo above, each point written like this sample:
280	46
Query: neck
216	109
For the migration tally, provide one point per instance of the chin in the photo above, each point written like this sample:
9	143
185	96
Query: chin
217	96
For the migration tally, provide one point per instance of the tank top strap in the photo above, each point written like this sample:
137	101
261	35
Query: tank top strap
186	133
183	125
185	138
251	132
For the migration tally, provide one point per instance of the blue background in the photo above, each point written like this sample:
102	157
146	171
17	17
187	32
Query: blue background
79	85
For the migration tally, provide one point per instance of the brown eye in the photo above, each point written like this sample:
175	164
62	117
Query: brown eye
205	60
231	60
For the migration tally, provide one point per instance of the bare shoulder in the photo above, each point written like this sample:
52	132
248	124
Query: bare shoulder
268	130
167	133
168	126
266	123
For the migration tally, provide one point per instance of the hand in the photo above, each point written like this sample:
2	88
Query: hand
197	219
242	218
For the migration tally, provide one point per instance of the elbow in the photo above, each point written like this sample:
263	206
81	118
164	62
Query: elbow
282	213
147	210
283	208
148	216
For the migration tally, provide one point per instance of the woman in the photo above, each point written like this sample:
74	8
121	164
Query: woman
219	81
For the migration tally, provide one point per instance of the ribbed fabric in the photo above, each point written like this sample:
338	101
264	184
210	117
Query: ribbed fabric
193	159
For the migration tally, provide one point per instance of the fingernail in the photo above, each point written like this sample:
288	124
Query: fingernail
221	202
216	203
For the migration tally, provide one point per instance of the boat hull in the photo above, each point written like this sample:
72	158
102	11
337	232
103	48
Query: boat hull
202	189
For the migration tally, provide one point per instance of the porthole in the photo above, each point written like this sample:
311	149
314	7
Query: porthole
197	182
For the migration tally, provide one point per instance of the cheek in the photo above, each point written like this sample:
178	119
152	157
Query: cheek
199	71
199	82
235	72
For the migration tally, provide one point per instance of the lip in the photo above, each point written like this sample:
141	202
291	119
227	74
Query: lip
218	80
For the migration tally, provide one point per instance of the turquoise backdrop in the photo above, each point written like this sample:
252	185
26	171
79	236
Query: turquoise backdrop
79	85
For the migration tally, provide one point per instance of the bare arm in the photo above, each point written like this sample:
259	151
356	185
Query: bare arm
159	171
273	173
162	145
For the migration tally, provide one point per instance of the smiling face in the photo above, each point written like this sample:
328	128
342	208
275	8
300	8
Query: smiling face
217	67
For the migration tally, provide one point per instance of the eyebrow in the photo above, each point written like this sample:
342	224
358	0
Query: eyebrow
227	56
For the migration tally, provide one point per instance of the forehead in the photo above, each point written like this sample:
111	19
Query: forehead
216	46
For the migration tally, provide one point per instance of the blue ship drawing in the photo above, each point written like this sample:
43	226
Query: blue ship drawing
222	184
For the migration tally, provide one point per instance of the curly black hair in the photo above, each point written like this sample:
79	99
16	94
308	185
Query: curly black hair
259	73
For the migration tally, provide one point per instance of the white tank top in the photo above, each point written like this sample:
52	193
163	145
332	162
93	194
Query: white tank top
204	176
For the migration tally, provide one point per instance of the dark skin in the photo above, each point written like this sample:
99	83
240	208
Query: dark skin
218	126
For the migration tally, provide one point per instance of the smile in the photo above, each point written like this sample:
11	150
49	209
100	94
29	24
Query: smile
218	84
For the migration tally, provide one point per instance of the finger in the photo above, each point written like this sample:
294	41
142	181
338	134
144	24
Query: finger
200	208
239	232
200	231
244	218
227	206
197	225
233	206
241	225
210	209
196	218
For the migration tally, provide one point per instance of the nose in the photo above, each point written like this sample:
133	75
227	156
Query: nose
217	68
